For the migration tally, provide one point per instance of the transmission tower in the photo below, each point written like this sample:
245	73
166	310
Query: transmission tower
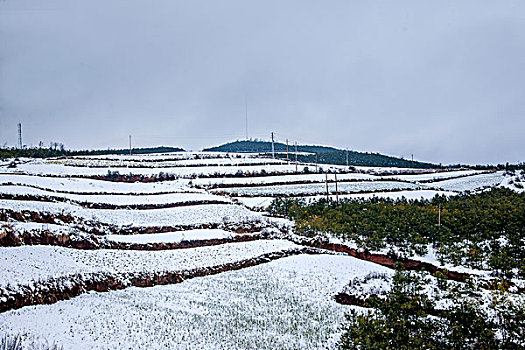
273	148
20	135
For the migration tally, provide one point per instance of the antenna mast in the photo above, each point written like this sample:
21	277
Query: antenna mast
296	156
20	135
273	148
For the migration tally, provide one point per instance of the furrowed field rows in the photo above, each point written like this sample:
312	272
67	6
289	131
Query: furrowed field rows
112	201
285	304
92	186
73	226
28	265
314	189
194	215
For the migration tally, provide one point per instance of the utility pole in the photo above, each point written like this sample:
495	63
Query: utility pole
20	145
316	162
129	144
287	158
326	182
439	216
273	148
336	192
347	157
295	156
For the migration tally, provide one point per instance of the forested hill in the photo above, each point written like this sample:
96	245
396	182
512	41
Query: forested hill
325	155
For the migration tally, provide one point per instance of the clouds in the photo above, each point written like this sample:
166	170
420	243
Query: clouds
440	80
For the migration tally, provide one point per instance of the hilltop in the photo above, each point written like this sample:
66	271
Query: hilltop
325	154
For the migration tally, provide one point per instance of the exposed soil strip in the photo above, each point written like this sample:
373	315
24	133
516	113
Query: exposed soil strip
170	176
146	160
45	237
309	194
196	165
135	194
90	205
67	287
297	182
347	299
101	229
388	261
40	217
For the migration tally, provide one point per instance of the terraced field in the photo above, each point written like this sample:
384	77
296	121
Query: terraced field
190	229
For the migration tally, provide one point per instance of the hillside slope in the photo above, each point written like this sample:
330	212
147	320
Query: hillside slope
325	155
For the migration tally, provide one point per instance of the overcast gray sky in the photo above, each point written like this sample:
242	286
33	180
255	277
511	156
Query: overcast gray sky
444	80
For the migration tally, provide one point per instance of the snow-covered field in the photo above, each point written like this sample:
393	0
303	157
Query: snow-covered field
515	181
313	189
283	304
163	163
81	185
50	169
29	264
266	180
171	237
470	183
197	214
436	176
120	200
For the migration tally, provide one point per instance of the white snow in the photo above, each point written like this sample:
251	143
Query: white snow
80	185
36	226
162	162
436	176
319	188
42	168
514	182
169	156
171	237
130	199
26	264
417	194
197	214
470	183
255	202
285	304
281	179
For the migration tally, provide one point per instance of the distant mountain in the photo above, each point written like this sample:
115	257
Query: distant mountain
325	155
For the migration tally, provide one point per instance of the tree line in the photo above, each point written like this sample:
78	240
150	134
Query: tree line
58	150
408	318
483	230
